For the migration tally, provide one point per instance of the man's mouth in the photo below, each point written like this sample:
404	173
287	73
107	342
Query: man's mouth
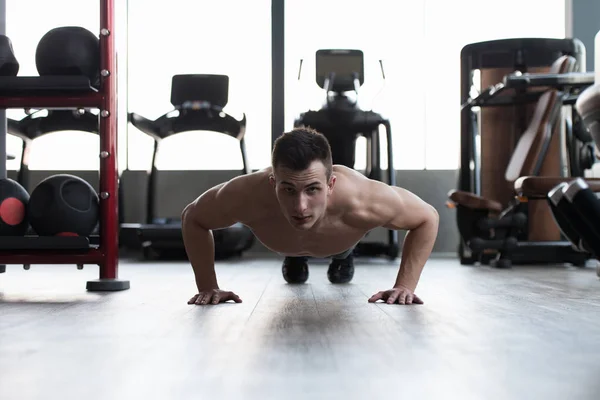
301	219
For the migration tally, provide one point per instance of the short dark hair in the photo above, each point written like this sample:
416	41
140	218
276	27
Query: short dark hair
298	148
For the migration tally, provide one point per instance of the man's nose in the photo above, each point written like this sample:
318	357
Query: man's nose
301	203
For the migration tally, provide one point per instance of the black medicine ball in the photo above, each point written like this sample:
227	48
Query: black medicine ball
69	50
64	205
9	66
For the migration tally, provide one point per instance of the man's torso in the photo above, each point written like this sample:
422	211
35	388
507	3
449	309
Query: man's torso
343	227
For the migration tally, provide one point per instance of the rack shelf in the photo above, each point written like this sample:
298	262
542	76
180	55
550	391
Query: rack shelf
77	92
93	256
43	243
90	100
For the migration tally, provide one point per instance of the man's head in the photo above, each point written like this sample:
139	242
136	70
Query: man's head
302	176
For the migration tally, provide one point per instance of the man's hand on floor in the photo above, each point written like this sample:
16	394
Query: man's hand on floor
398	295
214	296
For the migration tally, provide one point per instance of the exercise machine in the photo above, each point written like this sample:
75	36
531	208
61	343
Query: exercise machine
519	125
341	121
72	91
574	201
199	101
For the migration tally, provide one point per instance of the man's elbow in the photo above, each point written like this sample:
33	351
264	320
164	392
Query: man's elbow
190	215
186	212
431	218
434	216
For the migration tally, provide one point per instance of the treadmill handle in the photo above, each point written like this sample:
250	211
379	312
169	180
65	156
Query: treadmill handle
145	125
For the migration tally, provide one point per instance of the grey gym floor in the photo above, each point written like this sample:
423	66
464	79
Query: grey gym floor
525	333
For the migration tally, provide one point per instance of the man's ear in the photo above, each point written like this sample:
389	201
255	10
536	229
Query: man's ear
331	183
272	180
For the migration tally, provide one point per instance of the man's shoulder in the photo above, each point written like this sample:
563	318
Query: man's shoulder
248	195
342	170
354	185
360	198
351	194
246	182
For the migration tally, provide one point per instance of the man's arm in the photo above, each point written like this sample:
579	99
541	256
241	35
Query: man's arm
214	209
403	210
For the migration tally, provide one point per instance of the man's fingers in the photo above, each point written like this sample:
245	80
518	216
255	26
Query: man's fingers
393	297
205	298
402	297
236	298
399	296
214	297
232	296
417	299
375	297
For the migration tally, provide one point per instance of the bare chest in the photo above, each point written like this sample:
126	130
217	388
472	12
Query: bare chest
280	237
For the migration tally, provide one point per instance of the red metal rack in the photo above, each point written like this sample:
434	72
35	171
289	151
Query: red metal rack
105	255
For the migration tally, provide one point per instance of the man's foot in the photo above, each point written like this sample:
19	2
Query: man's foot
295	269
341	271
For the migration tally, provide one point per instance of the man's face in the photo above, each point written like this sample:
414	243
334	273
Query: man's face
303	195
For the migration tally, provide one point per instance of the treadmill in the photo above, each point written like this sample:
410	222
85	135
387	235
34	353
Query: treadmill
199	101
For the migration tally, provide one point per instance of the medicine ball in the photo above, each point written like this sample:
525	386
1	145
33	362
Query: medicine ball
9	66
69	50
13	208
63	205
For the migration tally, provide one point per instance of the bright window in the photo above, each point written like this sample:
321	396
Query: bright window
230	37
385	30
419	43
474	21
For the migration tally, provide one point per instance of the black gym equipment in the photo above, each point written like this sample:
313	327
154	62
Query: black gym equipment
9	66
577	211
199	100
494	225
77	70
575	223
64	205
69	50
586	204
67	60
41	122
588	107
341	121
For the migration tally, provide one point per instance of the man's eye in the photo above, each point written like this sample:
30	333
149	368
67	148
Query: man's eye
313	189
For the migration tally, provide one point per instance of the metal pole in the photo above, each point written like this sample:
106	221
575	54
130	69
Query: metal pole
277	67
2	111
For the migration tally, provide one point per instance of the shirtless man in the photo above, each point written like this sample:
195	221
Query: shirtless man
304	206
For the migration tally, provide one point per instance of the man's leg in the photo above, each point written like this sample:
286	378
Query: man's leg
295	269
341	269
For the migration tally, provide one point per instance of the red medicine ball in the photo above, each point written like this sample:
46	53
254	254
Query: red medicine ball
14	200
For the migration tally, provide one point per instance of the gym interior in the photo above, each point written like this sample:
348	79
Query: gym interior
114	115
